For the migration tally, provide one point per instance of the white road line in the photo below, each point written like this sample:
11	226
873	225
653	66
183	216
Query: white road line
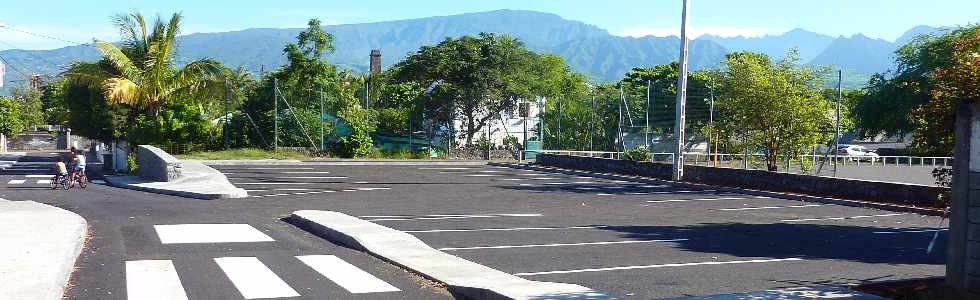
346	275
253	279
482	175
710	263
448	168
512	179
306	172
279	168
503	229
98	181
315	177
841	218
448	217
256	190
910	231
45	181
706	199
39	176
16	181
153	279
769	207
669	192
210	233
532	174
559	245
275	183
372	189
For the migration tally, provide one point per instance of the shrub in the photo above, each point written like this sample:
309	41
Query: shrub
357	144
640	153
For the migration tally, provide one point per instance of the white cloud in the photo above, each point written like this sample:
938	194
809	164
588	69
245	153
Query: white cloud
695	32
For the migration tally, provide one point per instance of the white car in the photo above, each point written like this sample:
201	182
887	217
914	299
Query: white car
856	152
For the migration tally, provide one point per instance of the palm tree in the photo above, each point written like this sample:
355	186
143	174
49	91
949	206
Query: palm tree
141	71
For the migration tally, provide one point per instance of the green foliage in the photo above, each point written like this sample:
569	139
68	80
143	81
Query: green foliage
178	124
773	106
131	164
245	153
662	81
10	121
358	144
31	113
640	153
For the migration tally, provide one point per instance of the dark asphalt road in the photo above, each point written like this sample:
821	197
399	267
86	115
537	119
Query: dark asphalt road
632	239
122	230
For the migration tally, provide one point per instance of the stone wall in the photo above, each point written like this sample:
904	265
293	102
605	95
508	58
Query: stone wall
156	165
963	252
852	189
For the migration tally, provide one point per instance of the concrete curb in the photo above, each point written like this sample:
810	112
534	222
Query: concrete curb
40	244
343	162
137	184
800	293
788	196
464	278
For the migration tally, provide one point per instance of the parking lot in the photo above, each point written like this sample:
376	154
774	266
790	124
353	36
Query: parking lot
628	237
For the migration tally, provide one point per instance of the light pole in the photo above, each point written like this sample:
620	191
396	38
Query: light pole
680	108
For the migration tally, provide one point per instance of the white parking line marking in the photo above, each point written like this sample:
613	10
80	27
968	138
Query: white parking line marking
841	218
448	168
16	181
504	229
373	189
346	275
769	207
910	231
532	174
512	179
210	233
280	168
445	217
98	181
45	181
706	199
559	245
253	279
668	192
256	190
315	177
662	266
275	183
482	175
306	172
153	279
39	176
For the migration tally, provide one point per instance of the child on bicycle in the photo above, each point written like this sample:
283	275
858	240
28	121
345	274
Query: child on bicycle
78	160
60	168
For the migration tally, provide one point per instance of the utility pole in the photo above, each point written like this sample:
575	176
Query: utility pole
559	122
224	118
840	78
619	122
322	143
711	124
680	108
275	118
591	120
646	132
525	111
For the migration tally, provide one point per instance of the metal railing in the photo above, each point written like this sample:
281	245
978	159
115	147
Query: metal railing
746	160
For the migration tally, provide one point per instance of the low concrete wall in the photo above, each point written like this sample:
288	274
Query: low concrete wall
853	189
156	165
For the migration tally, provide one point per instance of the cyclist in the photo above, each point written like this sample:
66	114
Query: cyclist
60	171
78	172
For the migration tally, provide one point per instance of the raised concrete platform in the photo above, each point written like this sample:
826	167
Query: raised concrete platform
345	162
463	278
196	180
38	247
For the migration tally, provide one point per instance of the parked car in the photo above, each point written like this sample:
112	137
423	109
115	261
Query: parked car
857	152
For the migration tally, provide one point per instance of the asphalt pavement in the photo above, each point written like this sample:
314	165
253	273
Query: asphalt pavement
633	239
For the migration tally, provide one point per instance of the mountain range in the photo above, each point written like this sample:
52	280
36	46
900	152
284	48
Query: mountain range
587	48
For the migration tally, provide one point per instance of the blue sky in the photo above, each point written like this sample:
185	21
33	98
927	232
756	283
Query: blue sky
81	21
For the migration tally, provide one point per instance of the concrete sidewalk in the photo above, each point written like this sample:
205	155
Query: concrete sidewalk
345	162
196	180
38	247
463	278
798	293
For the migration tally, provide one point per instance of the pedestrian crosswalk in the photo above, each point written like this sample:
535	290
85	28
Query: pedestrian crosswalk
250	276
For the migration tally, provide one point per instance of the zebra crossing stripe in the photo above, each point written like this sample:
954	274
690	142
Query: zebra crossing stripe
153	279
253	279
45	181
16	181
346	275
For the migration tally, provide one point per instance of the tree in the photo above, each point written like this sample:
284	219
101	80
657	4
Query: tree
141	71
480	77
31	113
10	122
773	106
663	93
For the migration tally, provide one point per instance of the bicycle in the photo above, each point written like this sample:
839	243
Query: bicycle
60	180
80	178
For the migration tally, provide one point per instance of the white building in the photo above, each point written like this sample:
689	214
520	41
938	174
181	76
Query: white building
508	124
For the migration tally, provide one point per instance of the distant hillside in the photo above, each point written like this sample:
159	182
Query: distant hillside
587	48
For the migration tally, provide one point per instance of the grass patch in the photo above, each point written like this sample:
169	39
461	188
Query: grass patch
247	153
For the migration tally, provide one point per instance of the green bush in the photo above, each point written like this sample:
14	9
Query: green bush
636	154
131	164
357	144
